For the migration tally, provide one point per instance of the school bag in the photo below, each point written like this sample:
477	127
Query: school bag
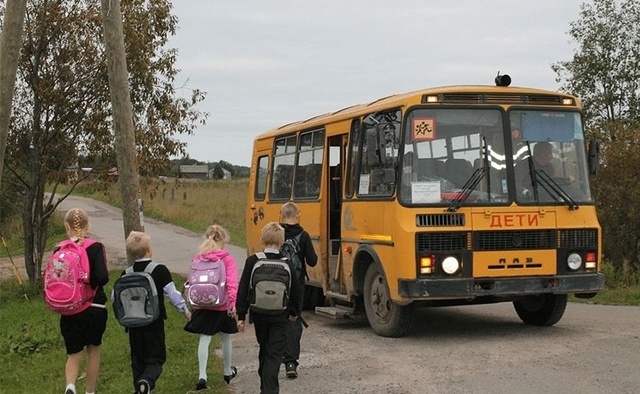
67	290
136	302
290	249
269	285
206	285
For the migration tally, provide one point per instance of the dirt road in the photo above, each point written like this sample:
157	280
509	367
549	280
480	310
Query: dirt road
479	349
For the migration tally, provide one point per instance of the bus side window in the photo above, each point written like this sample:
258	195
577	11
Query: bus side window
261	178
282	177
308	181
314	176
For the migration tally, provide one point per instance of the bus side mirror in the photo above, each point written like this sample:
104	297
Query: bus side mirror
594	156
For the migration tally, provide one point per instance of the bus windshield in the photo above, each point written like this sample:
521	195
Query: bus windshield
454	154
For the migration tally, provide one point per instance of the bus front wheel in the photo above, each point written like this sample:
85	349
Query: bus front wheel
387	318
541	310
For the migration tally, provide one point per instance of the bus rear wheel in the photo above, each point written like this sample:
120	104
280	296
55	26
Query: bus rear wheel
387	318
541	310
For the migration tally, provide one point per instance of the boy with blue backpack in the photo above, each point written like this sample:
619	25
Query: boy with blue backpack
299	249
148	349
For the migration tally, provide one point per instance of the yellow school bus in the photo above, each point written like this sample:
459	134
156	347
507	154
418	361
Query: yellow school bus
455	195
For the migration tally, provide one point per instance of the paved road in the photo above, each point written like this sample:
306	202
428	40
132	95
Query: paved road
475	349
172	245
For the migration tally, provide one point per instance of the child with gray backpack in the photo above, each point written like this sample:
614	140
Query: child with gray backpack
148	349
269	292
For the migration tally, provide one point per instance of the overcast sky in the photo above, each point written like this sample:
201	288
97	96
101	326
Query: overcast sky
271	62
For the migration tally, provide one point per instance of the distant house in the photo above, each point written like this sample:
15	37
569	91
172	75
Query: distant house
226	174
197	171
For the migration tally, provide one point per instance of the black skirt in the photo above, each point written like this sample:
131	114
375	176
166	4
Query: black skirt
84	328
208	322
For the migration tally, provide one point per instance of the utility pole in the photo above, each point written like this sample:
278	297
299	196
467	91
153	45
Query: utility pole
10	44
125	141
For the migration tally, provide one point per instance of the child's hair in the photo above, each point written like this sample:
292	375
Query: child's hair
138	244
289	211
77	220
272	234
216	237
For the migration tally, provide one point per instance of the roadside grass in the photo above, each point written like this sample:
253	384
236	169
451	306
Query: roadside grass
13	235
32	351
191	204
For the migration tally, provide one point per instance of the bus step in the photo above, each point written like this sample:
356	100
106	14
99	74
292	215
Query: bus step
337	296
335	312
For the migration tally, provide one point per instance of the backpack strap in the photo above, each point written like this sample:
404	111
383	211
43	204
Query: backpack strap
261	255
150	267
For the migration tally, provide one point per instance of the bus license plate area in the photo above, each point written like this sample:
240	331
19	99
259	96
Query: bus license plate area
514	263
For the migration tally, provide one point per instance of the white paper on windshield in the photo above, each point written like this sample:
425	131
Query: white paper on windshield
364	184
425	192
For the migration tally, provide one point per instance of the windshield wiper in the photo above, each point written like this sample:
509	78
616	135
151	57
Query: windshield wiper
552	187
473	180
466	190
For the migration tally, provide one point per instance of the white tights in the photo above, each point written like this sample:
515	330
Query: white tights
203	353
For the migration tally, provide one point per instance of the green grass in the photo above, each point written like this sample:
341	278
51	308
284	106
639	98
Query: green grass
32	352
193	205
617	296
13	234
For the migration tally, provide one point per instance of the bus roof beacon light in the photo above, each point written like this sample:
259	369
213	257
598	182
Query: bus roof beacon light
503	80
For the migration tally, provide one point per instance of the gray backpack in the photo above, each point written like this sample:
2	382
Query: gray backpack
136	301
270	285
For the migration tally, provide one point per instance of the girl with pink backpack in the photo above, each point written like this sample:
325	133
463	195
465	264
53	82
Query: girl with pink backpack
211	290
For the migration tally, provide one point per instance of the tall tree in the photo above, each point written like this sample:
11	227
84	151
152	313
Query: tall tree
122	116
605	69
605	74
63	108
10	41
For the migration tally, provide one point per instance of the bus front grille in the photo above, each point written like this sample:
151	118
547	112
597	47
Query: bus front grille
514	240
440	220
442	242
579	238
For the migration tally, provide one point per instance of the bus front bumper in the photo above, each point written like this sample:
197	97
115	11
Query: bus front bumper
457	288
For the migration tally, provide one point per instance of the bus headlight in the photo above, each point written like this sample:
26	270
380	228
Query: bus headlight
574	261
450	265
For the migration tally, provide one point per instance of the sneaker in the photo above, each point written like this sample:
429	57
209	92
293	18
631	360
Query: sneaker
143	387
201	385
234	372
69	391
291	371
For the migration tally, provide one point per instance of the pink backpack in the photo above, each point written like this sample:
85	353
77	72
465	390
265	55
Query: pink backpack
66	279
206	286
